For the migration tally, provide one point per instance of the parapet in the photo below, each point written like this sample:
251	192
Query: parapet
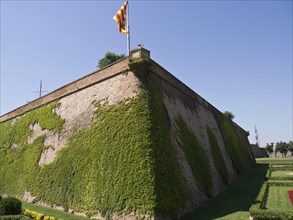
139	52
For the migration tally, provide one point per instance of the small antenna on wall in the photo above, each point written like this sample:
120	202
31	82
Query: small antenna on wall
40	91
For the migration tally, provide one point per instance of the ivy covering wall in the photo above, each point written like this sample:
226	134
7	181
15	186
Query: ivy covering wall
217	156
170	187
195	156
237	146
19	160
124	162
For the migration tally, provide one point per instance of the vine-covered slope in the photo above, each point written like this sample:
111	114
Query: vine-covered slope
123	163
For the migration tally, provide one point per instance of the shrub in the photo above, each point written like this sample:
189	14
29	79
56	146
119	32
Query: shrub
12	217
281	178
37	215
258	210
10	206
263	214
26	212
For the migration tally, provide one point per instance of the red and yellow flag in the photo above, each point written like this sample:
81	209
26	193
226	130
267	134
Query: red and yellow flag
120	18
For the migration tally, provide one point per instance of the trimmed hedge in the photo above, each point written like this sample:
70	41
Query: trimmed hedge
280	178
267	214
13	217
37	215
10	206
286	167
280	184
258	210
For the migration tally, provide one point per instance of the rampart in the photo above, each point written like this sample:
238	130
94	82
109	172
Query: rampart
128	141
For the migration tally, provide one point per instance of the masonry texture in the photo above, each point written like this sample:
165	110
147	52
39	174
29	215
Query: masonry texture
128	141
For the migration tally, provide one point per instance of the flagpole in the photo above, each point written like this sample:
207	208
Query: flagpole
128	30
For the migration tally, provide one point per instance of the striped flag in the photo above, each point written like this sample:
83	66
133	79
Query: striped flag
120	18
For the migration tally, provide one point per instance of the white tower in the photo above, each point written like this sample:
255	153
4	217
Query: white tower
256	137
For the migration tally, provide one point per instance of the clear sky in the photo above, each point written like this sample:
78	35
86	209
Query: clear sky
235	54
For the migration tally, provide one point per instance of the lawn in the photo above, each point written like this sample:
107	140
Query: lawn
278	198
51	212
234	202
281	161
284	173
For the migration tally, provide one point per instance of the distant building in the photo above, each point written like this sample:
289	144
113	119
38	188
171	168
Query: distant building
258	152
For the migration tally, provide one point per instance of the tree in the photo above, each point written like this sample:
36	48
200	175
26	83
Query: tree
290	147
281	147
229	115
270	148
108	59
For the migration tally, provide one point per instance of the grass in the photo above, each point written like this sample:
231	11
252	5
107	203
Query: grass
281	173
279	198
51	212
275	161
234	202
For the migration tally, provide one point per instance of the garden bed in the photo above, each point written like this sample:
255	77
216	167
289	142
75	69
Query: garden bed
273	201
290	194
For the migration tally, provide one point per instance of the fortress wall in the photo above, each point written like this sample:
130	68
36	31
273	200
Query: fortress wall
77	109
114	84
198	114
187	93
84	82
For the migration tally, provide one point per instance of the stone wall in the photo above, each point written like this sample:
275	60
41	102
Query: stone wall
258	152
80	84
198	114
116	83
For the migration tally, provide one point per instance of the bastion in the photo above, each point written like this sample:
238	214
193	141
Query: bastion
129	141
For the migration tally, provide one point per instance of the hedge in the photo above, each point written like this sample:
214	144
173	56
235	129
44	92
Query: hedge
258	210
37	215
281	178
266	214
10	206
13	217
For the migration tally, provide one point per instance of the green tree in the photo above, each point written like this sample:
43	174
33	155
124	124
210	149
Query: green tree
229	115
270	148
108	59
290	147
282	147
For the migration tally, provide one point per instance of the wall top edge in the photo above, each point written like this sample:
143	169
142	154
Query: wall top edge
105	73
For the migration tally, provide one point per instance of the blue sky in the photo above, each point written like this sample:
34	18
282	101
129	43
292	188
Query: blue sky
235	54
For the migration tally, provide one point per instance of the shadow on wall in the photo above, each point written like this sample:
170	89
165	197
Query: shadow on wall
235	201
